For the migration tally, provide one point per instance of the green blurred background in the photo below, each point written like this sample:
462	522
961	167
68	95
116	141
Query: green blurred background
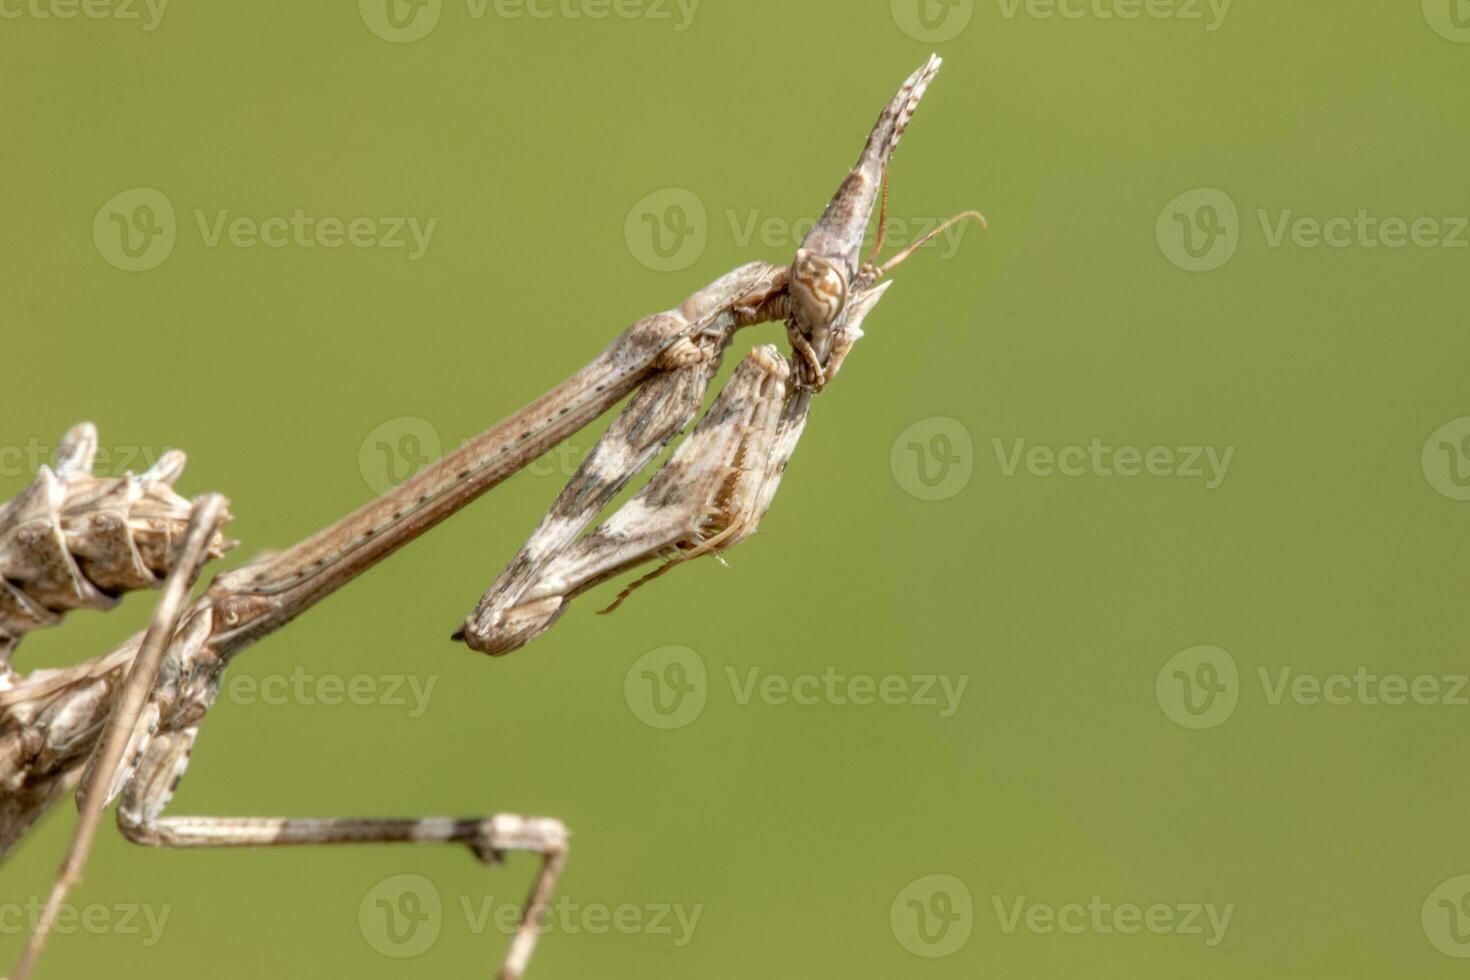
544	147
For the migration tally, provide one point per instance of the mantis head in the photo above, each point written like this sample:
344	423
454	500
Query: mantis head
828	273
819	288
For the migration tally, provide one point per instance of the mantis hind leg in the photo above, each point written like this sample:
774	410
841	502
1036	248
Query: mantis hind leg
490	839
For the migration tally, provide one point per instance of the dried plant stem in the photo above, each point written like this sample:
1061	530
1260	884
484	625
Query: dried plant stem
207	516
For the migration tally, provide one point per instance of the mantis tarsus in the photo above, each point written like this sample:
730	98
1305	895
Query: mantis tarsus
132	716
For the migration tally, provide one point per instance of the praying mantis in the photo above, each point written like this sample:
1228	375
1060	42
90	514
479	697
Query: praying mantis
120	727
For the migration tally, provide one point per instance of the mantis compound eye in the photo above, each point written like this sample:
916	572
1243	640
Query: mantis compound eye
820	289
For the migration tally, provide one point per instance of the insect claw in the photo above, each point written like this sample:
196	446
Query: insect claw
814	376
485	853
